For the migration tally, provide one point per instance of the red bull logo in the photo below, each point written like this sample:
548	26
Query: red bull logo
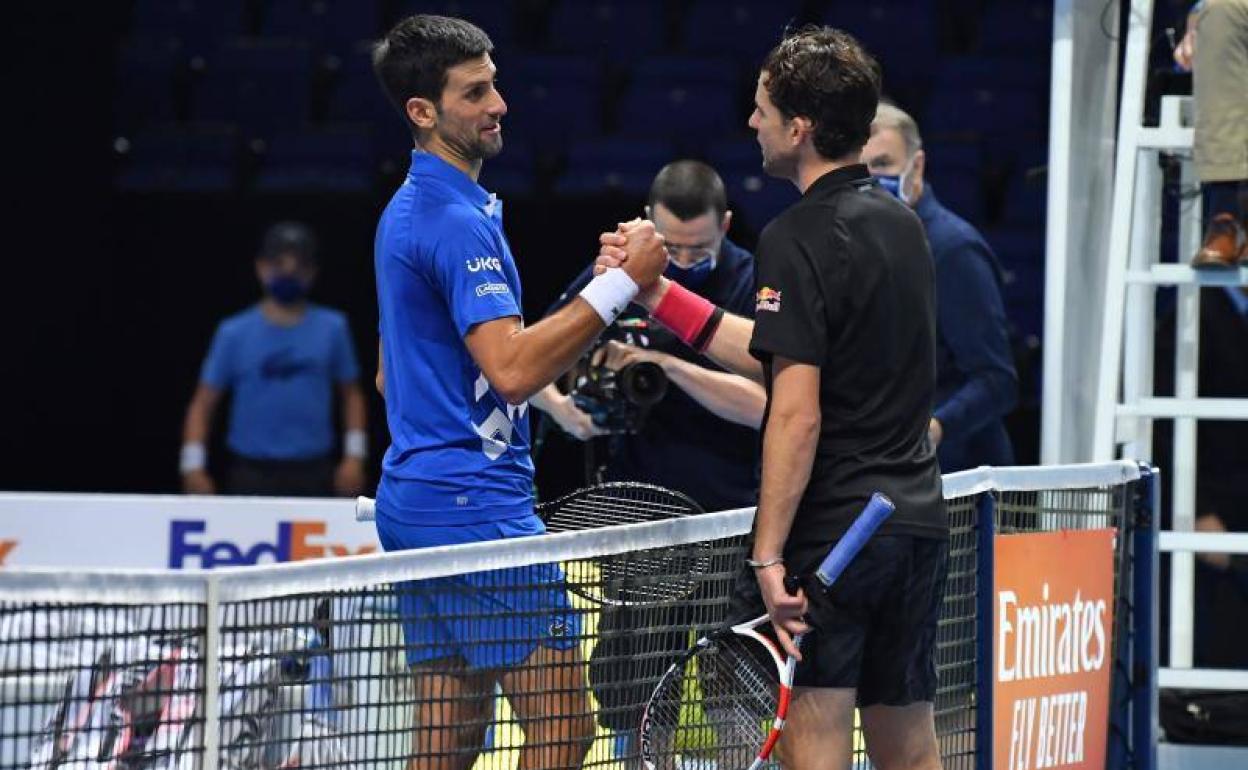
768	300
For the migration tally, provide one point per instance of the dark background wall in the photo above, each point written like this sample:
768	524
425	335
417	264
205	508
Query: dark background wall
124	257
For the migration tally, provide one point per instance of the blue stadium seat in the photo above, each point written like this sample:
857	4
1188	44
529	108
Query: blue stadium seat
513	172
333	25
180	159
147	72
197	24
551	97
331	159
1021	254
687	70
962	194
613	164
744	29
1018	28
689	114
496	18
742	155
756	198
993	72
607	27
262	85
967	112
1026	201
948	159
902	34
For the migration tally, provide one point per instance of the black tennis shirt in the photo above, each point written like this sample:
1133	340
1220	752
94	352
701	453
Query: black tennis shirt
846	282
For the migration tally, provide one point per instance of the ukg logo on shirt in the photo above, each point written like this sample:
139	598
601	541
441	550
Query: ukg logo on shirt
484	263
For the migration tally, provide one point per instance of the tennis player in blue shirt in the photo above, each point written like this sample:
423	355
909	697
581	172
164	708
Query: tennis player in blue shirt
457	366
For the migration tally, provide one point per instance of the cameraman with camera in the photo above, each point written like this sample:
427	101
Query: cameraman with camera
674	418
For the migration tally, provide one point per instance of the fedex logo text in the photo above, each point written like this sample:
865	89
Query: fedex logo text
295	542
6	548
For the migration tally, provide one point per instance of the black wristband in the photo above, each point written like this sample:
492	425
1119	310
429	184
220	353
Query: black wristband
708	329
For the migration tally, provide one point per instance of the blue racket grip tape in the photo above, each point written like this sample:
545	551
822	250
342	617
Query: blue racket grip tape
878	509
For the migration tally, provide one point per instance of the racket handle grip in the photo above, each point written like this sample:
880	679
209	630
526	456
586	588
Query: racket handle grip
878	509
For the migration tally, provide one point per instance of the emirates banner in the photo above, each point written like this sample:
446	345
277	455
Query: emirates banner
1052	648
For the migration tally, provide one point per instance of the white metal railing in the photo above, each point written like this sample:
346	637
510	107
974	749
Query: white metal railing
1183	588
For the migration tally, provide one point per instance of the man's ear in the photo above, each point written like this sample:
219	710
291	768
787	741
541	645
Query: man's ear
422	113
799	128
920	166
726	223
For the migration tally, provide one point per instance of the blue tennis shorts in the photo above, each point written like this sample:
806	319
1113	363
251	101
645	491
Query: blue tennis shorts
487	619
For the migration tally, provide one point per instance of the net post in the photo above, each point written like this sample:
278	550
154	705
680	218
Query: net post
212	675
1145	510
985	530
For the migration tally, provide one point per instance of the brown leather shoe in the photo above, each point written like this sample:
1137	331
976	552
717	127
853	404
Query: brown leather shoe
1226	244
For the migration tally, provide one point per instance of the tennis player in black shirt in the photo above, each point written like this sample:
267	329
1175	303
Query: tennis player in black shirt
844	339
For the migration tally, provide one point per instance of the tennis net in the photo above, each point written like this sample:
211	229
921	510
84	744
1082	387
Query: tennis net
349	663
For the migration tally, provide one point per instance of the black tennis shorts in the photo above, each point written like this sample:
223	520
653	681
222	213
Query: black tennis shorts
875	630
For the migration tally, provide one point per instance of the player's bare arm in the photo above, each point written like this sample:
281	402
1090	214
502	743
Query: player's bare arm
196	429
789	442
729	346
519	361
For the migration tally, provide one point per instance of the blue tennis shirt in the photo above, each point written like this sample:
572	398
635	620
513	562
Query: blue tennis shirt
459	452
282	379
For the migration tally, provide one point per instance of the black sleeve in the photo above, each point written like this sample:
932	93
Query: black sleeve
789	309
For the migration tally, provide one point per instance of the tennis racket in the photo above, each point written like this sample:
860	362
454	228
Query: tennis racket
651	576
725	700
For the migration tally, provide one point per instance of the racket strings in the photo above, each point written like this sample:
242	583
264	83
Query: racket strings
650	576
719	705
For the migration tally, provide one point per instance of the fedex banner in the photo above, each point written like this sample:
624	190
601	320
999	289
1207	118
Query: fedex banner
172	531
1052	649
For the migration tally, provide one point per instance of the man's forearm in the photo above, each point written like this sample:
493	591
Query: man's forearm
354	408
728	396
729	346
528	359
788	455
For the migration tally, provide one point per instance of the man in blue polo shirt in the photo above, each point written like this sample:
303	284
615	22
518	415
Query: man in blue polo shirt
976	386
457	366
282	360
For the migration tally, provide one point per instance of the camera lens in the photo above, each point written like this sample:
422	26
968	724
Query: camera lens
644	383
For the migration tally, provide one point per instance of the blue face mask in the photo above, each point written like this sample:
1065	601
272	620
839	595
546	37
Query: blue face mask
895	184
690	277
286	289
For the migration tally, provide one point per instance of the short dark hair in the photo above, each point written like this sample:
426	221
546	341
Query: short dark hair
288	237
688	189
413	58
825	75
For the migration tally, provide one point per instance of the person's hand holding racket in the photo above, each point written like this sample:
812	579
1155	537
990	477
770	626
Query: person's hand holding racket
786	608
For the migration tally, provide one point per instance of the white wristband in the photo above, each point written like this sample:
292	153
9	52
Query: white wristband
610	293
193	458
355	444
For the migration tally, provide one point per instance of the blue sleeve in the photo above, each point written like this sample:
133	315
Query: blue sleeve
343	364
465	264
971	322
218	368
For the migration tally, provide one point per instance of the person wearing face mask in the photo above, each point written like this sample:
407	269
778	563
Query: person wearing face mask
283	360
976	385
701	439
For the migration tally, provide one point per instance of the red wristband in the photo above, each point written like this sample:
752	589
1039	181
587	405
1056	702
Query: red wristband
686	314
